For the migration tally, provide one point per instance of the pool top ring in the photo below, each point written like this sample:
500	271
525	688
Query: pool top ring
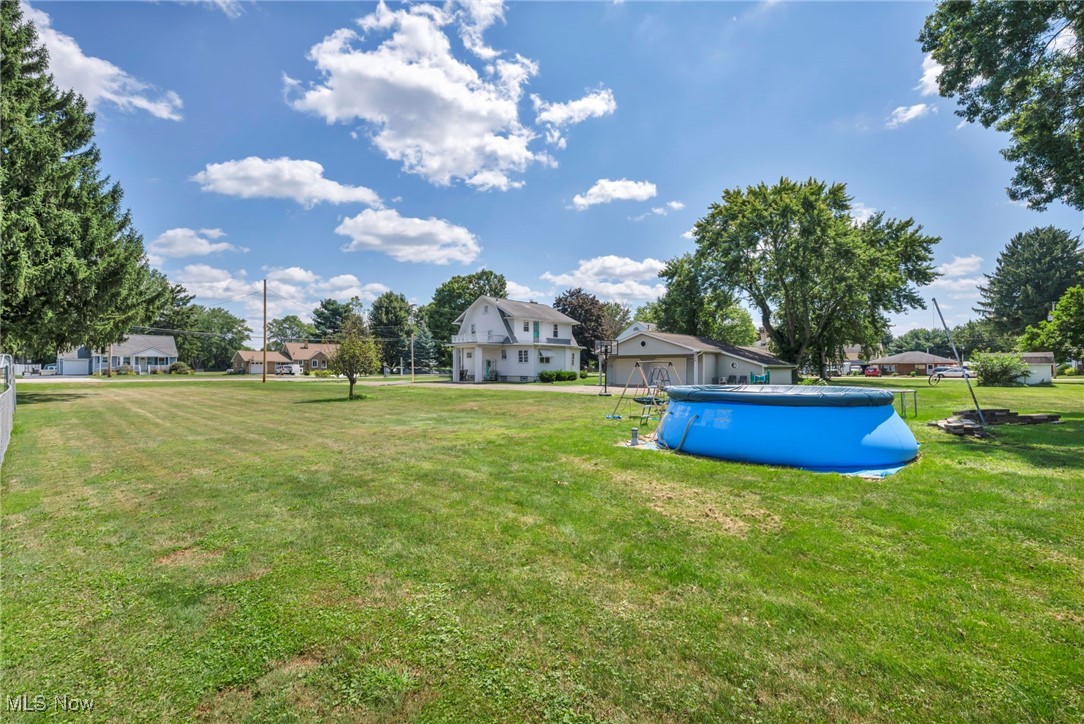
782	395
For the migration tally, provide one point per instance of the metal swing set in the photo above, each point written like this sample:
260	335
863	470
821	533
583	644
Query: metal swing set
652	403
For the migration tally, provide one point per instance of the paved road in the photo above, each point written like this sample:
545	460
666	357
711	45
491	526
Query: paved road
500	386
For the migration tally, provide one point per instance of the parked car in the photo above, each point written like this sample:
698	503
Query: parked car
48	370
873	372
954	371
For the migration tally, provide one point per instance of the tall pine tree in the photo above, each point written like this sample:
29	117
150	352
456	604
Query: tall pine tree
72	267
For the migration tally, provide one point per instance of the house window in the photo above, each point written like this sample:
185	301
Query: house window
485	309
504	354
555	331
523	356
314	364
573	360
470	355
543	359
526	326
323	364
472	329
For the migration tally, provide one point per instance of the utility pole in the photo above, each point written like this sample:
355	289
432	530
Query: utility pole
265	331
411	356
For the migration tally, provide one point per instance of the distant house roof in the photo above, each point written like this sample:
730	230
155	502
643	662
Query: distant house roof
300	351
529	310
134	344
1037	358
703	344
912	358
255	355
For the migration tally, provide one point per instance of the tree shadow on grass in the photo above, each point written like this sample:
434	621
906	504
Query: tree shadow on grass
38	398
332	399
1058	445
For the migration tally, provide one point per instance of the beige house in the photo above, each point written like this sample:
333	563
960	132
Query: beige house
250	362
693	360
310	355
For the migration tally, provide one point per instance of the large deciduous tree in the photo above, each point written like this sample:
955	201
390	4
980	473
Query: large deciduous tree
1063	334
1019	67
690	306
615	317
290	328
221	334
1032	272
389	320
980	336
72	267
586	309
818	280
934	341
452	299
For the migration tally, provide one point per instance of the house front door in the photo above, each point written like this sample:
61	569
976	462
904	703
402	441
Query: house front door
489	368
536	331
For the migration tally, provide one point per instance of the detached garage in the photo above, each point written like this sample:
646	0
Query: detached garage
72	366
690	360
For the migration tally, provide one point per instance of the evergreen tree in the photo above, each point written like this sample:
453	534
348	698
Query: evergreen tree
178	314
425	348
1033	271
328	316
72	267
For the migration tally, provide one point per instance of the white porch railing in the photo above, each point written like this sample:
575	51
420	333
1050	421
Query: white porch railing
481	338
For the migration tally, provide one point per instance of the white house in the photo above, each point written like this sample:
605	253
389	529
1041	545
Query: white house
636	326
693	360
508	341
1041	367
142	352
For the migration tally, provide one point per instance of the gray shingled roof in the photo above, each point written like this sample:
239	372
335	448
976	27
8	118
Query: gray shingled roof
532	310
1037	358
912	358
703	344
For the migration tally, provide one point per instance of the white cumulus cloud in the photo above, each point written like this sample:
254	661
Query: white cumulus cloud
432	241
605	190
558	115
613	278
280	178
906	114
441	117
663	210
961	266
182	242
434	113
861	213
525	293
96	79
931	70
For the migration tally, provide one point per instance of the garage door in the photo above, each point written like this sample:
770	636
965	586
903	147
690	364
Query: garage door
74	367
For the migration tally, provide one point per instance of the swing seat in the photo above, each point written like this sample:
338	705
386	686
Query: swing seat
648	400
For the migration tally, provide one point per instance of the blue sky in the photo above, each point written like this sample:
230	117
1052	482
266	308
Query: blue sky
350	148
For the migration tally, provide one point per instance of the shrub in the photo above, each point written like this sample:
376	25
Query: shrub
324	373
813	382
547	376
567	375
914	373
124	370
1069	372
180	368
997	369
583	374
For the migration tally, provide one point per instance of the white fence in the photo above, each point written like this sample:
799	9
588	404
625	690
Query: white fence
7	403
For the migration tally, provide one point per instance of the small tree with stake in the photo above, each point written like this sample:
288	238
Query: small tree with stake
358	354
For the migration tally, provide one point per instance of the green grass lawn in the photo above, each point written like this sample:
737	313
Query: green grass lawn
234	551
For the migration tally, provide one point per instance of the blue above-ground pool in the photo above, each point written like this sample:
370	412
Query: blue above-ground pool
831	429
